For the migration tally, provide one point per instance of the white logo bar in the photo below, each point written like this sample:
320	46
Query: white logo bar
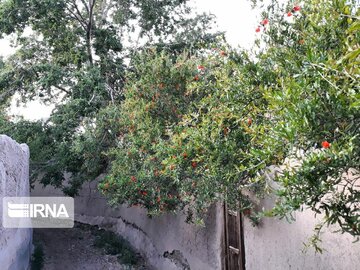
38	212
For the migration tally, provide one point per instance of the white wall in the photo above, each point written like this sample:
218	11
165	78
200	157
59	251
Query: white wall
274	245
194	247
15	244
278	245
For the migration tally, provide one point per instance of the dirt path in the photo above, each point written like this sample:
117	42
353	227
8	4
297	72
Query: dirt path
73	249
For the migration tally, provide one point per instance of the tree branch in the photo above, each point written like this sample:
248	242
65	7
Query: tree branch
88	30
62	89
77	10
74	16
86	7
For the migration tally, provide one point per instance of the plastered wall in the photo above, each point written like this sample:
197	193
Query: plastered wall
167	241
15	244
279	245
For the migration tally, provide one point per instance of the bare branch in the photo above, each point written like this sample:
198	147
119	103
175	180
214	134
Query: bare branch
92	4
62	89
86	7
74	16
88	30
78	11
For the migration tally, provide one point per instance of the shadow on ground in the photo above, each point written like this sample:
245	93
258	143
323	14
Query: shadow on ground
86	247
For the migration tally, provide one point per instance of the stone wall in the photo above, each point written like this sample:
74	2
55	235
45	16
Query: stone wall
15	244
167	241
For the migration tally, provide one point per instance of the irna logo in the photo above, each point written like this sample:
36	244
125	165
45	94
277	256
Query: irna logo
38	212
23	210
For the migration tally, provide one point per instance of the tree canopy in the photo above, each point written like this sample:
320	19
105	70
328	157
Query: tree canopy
76	57
208	127
190	121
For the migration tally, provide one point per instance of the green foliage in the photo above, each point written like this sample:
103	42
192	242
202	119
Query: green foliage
113	244
186	133
312	105
154	102
76	58
190	121
294	105
37	258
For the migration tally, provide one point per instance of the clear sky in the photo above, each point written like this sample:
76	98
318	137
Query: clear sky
233	16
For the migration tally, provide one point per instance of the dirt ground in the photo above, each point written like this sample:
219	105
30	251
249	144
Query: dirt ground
73	249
